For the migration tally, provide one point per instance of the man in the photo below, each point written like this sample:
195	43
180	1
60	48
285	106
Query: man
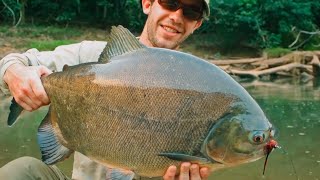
168	24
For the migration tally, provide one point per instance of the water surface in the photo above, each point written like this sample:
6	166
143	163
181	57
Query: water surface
295	112
293	109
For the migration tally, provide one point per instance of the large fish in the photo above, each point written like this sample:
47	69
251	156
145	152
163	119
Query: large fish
143	109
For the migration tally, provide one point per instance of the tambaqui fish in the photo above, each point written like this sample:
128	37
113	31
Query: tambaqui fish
143	109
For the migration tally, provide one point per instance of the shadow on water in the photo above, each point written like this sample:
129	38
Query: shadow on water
292	108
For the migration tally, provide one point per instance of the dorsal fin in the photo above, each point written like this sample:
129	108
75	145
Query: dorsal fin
65	67
121	41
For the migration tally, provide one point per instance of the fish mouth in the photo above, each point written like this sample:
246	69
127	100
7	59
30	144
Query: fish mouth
231	155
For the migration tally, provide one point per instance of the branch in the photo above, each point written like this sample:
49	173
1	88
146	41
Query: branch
21	11
274	61
295	56
295	41
241	61
316	66
315	60
12	12
20	18
256	74
301	44
311	33
298	36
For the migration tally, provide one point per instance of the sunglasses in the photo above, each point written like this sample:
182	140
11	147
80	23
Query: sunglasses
190	12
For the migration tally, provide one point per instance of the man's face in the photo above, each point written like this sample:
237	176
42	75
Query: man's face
165	28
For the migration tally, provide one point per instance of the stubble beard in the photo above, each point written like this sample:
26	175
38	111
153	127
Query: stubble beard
152	37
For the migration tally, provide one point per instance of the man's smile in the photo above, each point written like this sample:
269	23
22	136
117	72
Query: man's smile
170	29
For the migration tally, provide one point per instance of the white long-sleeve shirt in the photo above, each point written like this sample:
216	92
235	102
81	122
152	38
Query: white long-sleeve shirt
86	51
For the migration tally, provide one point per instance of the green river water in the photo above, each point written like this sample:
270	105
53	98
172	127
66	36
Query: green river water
293	109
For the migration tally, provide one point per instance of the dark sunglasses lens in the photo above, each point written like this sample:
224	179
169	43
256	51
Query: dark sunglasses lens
171	5
191	13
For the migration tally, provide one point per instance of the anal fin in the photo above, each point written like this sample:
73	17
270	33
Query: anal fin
15	111
114	173
51	149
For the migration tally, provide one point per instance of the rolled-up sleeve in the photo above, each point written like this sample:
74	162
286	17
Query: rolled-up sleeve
73	54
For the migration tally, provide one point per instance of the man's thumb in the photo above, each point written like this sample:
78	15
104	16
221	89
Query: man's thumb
44	71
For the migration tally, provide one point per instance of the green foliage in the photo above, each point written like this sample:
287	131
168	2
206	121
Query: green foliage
260	23
313	45
276	52
41	37
50	32
99	13
6	14
135	16
49	45
257	24
125	12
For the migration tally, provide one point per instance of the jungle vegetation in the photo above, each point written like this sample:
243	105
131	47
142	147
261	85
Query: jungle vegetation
258	24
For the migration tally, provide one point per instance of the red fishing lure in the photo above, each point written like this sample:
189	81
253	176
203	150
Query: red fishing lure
272	144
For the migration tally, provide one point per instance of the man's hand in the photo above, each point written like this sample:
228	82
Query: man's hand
25	85
188	171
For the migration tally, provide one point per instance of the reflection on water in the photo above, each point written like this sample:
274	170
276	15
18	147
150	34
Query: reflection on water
293	109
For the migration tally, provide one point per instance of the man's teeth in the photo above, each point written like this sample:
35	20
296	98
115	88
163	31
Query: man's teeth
169	29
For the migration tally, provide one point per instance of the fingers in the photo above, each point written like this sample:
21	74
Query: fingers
170	173
204	172
185	171
24	103
23	99
194	172
197	173
44	71
39	95
38	88
26	86
188	171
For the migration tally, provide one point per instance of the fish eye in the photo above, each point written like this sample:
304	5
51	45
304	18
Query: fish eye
257	137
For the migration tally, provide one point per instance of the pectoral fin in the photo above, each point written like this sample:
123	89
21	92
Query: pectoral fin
185	157
51	149
15	111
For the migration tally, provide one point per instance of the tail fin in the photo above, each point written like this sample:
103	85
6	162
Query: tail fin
15	111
